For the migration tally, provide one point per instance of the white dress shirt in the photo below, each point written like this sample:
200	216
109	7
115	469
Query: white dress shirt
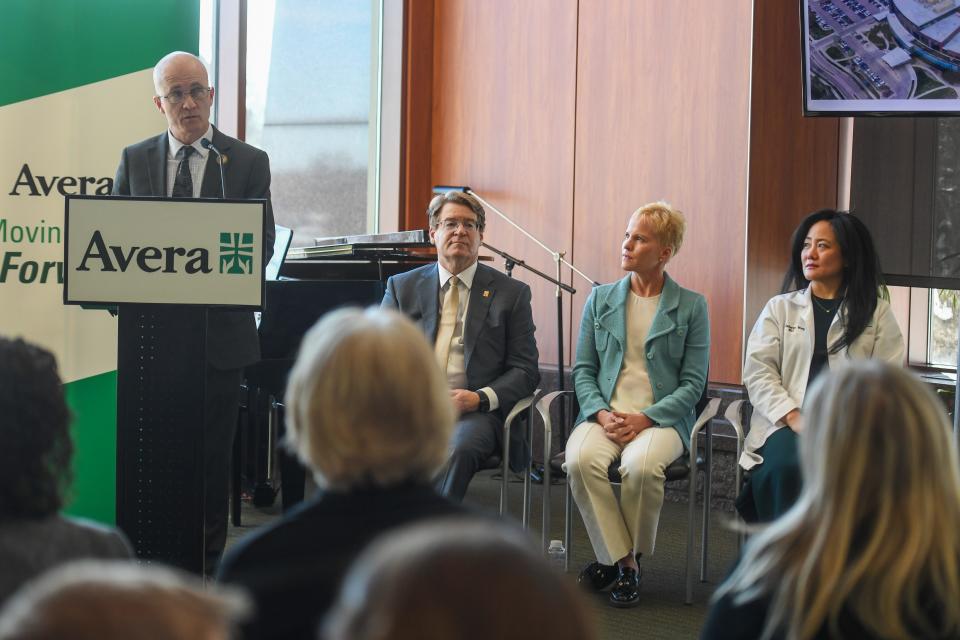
198	161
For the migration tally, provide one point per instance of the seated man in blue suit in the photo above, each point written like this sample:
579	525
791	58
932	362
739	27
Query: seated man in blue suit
481	325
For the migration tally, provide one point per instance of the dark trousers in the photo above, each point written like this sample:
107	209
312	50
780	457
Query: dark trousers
477	437
220	425
776	483
293	475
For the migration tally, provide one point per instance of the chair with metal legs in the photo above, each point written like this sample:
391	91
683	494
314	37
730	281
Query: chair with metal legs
704	464
737	414
522	407
677	470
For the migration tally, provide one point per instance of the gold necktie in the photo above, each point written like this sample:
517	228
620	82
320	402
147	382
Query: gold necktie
448	323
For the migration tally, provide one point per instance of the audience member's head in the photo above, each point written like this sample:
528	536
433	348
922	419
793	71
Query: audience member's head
874	532
367	403
118	600
471	580
34	431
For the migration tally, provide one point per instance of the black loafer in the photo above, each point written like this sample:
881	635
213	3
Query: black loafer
597	577
626	589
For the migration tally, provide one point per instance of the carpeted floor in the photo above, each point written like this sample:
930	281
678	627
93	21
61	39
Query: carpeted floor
661	613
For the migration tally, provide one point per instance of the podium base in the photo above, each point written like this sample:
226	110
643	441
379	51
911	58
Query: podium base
161	367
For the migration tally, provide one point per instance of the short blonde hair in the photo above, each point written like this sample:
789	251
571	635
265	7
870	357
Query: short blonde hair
97	599
367	402
668	223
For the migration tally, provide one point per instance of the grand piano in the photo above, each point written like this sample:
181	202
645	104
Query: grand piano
336	272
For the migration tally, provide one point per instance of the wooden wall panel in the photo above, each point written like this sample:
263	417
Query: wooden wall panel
662	113
568	114
793	160
503	103
416	112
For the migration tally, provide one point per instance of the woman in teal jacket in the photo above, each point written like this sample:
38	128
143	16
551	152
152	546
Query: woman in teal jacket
641	366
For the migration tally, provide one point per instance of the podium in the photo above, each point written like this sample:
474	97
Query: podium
163	263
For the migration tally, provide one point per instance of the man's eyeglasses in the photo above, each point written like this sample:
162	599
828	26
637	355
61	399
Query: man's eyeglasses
450	225
197	93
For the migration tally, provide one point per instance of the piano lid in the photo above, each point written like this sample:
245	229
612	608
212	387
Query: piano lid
379	244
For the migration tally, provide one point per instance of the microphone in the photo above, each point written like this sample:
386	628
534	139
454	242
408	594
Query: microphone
206	144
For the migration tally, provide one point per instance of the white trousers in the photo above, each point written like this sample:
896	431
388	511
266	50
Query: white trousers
630	526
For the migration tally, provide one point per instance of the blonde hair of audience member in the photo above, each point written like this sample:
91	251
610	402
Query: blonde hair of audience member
110	600
668	223
874	532
366	401
471	580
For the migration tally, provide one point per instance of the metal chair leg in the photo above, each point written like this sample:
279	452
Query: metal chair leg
543	408
505	469
527	488
707	496
524	405
568	515
691	510
703	420
545	531
733	414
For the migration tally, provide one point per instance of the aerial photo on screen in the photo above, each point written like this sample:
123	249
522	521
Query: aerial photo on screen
882	55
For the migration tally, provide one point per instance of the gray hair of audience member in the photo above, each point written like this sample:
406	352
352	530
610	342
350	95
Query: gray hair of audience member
465	579
874	531
366	401
107	600
456	197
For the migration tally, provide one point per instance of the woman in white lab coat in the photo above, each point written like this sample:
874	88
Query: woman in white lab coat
833	307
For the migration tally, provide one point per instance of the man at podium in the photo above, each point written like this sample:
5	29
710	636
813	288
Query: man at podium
192	159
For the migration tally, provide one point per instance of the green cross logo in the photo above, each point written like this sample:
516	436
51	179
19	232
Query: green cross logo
236	252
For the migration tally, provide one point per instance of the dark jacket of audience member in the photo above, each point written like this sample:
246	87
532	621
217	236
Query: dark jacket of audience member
870	549
469	580
35	460
369	412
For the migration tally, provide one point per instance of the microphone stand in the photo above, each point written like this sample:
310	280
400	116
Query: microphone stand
560	288
206	144
512	262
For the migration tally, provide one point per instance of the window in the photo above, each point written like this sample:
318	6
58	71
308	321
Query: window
208	38
310	67
942	326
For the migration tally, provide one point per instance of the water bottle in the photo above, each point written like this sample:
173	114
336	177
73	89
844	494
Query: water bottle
557	555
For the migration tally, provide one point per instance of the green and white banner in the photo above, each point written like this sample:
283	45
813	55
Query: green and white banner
77	88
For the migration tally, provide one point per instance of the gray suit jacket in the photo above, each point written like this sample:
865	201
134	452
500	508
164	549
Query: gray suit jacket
232	340
29	547
500	349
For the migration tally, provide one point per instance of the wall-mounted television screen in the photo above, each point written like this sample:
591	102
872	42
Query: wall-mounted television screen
881	57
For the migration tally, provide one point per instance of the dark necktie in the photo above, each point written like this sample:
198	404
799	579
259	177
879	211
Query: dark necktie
183	183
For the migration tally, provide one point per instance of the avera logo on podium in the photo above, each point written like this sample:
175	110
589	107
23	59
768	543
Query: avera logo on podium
236	253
